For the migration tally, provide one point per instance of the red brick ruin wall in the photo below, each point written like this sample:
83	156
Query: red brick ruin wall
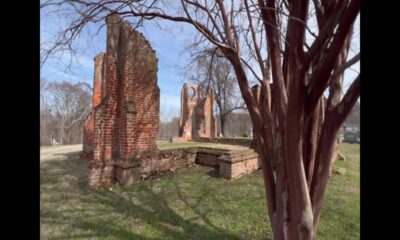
197	116
206	113
125	117
88	136
188	110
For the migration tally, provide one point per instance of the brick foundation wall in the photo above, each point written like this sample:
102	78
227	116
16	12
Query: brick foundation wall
238	169
101	173
232	141
231	165
167	160
127	172
207	159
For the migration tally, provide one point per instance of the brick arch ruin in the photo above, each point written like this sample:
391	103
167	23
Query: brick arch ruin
197	118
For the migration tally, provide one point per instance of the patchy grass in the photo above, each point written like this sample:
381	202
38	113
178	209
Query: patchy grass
193	203
340	217
163	144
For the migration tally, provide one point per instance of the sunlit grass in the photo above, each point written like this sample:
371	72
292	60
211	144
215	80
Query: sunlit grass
193	203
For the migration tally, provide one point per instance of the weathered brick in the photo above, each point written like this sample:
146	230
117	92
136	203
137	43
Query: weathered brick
125	102
197	116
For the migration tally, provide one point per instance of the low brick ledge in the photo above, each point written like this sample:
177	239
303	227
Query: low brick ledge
233	141
232	164
223	155
234	157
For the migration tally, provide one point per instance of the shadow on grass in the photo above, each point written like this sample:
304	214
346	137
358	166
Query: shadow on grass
214	173
70	155
140	205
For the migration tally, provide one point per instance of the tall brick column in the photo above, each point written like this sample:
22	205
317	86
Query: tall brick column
98	80
88	134
126	108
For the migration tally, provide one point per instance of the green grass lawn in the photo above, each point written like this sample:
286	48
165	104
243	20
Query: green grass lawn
193	203
163	144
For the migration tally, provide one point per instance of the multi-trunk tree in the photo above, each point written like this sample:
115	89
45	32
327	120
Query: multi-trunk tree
307	44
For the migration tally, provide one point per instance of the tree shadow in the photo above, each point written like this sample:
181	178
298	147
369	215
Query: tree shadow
144	204
69	155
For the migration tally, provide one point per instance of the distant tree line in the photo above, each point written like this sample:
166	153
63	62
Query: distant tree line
237	124
64	107
168	128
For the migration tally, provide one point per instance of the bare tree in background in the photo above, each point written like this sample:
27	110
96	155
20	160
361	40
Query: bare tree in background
168	123
211	69
70	106
238	124
296	161
168	128
45	113
353	120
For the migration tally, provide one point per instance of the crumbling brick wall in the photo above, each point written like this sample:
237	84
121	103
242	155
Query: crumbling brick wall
189	100
88	134
197	114
205	122
126	105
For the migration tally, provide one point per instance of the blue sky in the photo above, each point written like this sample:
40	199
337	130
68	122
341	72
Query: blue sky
168	42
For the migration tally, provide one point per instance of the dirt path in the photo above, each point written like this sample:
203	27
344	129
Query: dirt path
59	152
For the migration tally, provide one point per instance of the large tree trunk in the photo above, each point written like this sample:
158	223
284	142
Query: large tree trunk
62	123
222	120
68	137
43	129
